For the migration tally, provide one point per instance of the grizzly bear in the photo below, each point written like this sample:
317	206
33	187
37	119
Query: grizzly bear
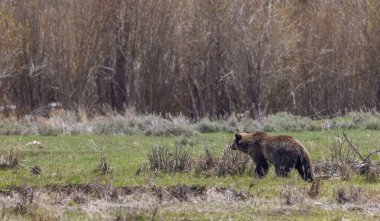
284	152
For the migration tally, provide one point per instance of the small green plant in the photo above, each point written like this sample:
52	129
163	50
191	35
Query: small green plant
103	165
35	170
181	159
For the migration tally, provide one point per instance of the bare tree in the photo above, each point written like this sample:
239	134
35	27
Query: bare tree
200	58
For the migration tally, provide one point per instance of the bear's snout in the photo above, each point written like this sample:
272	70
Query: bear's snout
233	146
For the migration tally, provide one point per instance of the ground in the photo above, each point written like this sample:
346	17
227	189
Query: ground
70	186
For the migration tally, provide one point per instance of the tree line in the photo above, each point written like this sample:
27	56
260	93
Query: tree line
199	58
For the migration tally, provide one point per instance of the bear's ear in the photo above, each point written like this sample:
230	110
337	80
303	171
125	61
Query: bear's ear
237	136
258	136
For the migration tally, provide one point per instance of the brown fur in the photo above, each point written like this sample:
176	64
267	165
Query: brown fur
284	152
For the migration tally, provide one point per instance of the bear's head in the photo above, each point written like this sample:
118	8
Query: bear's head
242	141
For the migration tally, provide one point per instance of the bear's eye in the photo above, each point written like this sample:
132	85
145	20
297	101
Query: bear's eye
238	142
241	143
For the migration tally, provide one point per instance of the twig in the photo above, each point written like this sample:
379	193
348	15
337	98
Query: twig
154	213
354	148
369	155
357	150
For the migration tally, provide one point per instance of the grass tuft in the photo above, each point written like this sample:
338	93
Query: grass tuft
10	158
103	165
161	159
352	194
232	162
35	170
209	162
292	195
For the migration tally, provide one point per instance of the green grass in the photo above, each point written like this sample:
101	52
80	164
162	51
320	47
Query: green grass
73	160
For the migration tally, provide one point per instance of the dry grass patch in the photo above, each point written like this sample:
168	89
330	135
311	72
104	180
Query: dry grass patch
10	158
97	201
231	163
161	159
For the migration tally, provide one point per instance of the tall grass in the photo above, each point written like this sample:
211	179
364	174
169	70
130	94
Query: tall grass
162	159
10	158
77	123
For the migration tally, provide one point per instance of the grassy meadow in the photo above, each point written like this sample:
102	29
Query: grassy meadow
109	176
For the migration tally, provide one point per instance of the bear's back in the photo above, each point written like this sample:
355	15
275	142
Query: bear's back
281	145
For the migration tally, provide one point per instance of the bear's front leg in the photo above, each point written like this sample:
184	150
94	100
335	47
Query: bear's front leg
261	169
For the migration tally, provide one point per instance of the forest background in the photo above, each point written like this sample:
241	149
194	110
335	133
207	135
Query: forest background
198	58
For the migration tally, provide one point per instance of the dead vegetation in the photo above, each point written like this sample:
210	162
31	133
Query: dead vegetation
10	158
26	195
231	163
144	202
161	159
200	58
349	195
370	169
347	160
327	169
95	190
202	166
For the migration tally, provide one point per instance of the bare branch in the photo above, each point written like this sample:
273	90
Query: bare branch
354	148
369	155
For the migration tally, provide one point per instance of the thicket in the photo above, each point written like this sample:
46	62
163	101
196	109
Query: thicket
199	58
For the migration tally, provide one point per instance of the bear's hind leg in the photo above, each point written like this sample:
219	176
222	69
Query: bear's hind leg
283	171
305	170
